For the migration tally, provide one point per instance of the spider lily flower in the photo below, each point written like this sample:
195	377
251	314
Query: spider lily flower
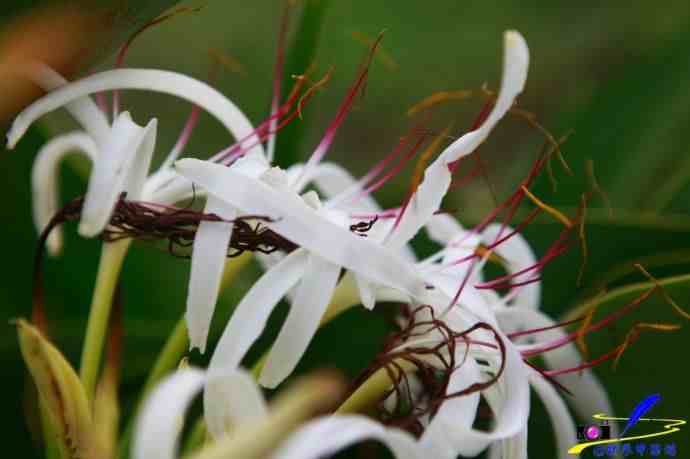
326	245
121	154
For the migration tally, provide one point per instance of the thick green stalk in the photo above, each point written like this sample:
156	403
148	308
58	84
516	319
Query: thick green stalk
110	265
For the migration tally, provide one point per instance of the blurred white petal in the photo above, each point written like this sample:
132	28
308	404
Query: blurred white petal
162	415
562	422
326	436
45	175
519	255
230	400
589	395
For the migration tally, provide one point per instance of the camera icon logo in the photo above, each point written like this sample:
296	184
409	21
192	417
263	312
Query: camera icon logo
594	432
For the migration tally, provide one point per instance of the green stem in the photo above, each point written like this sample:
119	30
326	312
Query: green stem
110	265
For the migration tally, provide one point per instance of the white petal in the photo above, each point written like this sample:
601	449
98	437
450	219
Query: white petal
45	175
456	412
366	292
162	416
209	253
443	228
427	199
562	422
313	295
512	448
589	395
326	436
230	400
163	81
519	255
512	416
249	318
301	224
122	166
83	109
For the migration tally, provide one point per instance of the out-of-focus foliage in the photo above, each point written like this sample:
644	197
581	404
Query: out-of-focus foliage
614	74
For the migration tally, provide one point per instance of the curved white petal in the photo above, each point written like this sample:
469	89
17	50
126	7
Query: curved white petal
427	199
334	181
249	318
230	400
366	292
511	415
83	109
456	412
45	175
512	448
162	416
519	255
163	81
303	225
442	228
209	253
308	307
562	422
122	166
326	436
589	395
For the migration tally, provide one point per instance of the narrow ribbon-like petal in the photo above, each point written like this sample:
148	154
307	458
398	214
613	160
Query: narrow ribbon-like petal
519	255
308	306
84	109
45	175
562	422
589	395
209	253
303	225
428	196
163	81
231	400
249	318
326	436
512	414
162	416
122	166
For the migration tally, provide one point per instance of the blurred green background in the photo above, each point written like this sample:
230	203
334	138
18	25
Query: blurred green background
614	73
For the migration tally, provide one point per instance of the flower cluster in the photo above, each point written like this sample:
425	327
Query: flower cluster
326	246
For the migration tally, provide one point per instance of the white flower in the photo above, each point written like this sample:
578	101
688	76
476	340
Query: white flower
326	245
121	154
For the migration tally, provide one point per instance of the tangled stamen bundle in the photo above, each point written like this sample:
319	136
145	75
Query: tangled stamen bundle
433	366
